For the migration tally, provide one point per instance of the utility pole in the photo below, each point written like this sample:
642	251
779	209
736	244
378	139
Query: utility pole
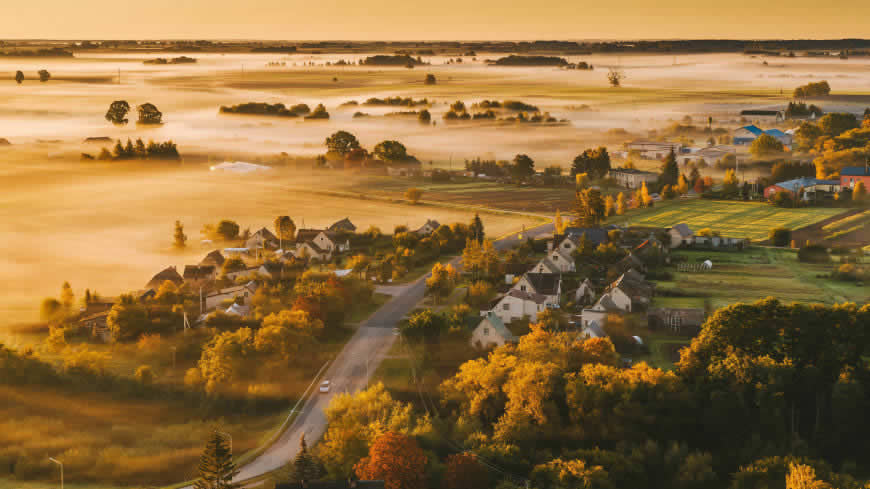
61	470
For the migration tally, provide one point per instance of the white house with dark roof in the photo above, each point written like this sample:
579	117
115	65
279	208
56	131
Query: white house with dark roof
245	292
584	294
262	239
517	304
548	285
428	228
491	332
545	266
681	235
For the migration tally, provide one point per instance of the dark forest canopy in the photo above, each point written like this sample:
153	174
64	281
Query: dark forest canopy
514	60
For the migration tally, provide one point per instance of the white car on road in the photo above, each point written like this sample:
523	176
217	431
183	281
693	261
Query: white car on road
324	386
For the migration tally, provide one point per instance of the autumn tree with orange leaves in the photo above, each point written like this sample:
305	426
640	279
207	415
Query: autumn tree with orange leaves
395	459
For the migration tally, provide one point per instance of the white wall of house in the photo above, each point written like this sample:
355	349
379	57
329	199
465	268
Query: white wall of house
562	260
678	240
486	336
524	286
621	299
215	300
510	308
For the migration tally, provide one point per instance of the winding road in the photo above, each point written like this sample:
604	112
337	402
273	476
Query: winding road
352	368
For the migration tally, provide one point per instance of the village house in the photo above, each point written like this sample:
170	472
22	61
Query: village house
548	285
806	185
262	239
652	150
196	275
570	239
93	319
491	332
239	293
517	304
747	134
629	293
763	115
686	321
428	228
585	294
681	235
546	266
168	273
709	154
343	225
514	270
591	330
318	245
632	178
851	175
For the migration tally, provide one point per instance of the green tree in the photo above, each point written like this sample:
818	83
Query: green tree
570	474
392	151
285	228
524	166
593	162
179	239
806	135
227	229
67	297
127	319
670	171
216	467
425	324
766	145
413	194
19	77
44	75
342	143
430	79
424	116
475	229
859	193
305	467
442	281
589	208
837	123
779	236
615	77
117	113
144	375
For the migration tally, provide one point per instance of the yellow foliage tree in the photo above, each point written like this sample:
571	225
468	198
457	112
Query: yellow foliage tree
620	204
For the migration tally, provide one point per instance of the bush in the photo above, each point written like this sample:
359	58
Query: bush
779	236
813	254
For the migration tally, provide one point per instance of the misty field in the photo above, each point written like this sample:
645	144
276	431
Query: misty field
733	219
108	227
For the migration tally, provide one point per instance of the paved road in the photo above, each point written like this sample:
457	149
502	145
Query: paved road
352	368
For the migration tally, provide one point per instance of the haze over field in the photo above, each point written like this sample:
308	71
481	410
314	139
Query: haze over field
108	226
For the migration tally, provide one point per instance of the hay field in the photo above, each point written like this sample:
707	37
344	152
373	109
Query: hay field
733	219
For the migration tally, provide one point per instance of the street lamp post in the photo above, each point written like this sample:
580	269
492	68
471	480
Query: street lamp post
61	469
224	433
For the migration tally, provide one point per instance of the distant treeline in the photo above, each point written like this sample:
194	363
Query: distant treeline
45	53
392	60
274	49
138	151
255	108
173	61
396	101
514	60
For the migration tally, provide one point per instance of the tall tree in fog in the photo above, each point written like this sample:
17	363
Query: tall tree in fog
285	228
179	238
19	76
117	113
216	467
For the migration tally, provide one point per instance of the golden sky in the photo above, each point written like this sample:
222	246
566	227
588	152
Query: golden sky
435	20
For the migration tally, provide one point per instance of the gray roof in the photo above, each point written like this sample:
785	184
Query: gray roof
527	296
498	325
544	283
343	225
168	273
596	235
683	229
215	258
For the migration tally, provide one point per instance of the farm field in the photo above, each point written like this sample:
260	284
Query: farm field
753	274
751	220
473	192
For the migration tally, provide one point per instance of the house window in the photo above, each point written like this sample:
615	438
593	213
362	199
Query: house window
523	288
539	307
566	246
485	331
506	307
676	322
555	257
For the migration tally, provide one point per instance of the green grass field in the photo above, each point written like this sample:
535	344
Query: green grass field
753	274
733	219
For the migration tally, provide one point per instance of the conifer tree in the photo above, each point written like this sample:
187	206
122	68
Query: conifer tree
179	238
305	467
216	467
475	230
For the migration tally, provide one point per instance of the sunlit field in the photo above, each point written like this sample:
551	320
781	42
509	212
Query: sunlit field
751	220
